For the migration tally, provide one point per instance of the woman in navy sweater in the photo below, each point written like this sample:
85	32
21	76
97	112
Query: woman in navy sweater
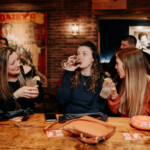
82	83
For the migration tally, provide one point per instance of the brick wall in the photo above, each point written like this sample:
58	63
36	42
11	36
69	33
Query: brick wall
60	41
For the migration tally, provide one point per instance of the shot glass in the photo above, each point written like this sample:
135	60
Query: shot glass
76	61
105	91
30	82
65	63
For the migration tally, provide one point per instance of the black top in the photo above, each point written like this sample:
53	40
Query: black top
11	104
78	100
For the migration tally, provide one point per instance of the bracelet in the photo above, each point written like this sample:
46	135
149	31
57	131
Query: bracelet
14	97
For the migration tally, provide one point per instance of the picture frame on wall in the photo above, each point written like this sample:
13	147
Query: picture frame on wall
26	32
142	34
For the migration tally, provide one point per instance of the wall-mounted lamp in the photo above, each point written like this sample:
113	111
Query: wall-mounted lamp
75	29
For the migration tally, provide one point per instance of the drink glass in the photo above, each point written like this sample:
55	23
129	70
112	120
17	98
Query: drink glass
106	88
30	82
65	63
76	61
105	91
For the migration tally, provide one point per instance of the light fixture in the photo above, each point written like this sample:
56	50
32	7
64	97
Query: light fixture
75	29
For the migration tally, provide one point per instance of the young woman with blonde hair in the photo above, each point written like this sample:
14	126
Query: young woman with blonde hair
134	96
81	83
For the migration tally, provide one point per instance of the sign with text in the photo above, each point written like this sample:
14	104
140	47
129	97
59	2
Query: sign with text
26	32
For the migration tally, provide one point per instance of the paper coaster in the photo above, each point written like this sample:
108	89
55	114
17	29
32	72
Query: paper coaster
132	136
17	119
54	133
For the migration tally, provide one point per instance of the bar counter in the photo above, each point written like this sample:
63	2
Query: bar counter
30	135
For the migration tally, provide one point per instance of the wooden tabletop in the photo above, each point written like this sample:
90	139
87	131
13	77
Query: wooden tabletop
30	135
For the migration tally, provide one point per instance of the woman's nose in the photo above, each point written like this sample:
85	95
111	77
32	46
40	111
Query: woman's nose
18	63
79	57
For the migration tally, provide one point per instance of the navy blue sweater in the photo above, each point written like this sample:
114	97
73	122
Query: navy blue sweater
78	100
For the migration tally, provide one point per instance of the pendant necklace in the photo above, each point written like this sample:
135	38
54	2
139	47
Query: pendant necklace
84	81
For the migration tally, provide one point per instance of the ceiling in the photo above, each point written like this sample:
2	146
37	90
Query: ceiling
135	9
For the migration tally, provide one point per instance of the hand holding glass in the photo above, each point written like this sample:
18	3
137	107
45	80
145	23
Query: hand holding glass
72	61
107	87
30	82
105	91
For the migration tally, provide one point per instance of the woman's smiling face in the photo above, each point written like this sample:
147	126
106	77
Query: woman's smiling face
13	64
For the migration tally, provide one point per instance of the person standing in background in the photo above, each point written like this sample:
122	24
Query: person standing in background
127	42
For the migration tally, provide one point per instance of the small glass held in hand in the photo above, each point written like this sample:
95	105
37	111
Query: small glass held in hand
105	92
65	63
30	82
106	89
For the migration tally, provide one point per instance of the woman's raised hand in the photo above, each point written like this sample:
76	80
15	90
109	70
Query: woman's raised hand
109	82
27	92
114	93
71	64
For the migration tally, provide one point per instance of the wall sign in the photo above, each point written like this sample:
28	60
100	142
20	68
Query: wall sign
26	32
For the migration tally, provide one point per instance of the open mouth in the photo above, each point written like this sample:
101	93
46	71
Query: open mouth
77	63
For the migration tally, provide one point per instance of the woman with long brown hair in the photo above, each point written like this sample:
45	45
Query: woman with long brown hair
14	94
134	96
81	83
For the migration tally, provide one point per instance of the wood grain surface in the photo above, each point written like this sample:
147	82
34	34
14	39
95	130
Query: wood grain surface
30	135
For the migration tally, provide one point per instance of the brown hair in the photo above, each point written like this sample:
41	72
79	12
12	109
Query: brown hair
135	83
5	90
131	39
96	70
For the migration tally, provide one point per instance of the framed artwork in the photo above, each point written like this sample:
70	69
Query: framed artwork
142	34
26	33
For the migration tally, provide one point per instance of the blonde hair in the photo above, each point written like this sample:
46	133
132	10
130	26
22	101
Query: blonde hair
135	84
5	90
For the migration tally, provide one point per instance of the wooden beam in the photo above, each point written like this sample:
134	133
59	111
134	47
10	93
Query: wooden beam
120	14
109	4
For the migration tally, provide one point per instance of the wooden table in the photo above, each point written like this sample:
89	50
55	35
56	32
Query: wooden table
29	135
